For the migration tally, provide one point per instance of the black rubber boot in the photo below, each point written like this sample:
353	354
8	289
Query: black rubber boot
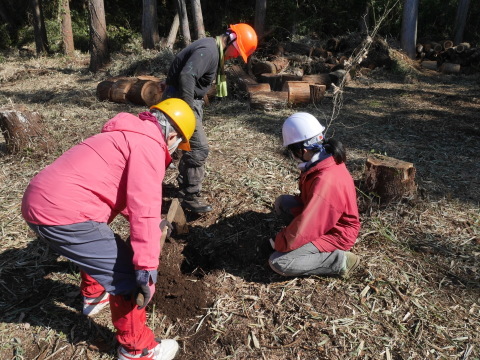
195	204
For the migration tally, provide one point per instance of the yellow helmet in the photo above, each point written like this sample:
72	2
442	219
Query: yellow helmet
182	116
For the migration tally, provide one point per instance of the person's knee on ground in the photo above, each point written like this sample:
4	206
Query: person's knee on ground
308	260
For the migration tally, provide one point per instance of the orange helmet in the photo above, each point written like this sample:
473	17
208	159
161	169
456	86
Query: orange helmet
246	39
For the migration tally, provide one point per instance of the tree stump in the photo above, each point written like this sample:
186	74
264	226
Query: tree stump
298	92
23	130
389	178
269	100
120	89
145	92
317	93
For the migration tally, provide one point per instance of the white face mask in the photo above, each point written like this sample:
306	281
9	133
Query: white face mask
172	148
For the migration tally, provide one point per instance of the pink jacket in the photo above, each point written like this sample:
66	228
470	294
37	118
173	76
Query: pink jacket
329	216
119	170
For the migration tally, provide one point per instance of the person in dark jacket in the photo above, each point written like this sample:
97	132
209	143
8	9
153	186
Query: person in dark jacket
323	221
190	76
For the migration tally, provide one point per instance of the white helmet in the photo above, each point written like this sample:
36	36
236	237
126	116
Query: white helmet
300	127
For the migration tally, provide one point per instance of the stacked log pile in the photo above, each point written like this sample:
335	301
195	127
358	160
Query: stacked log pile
292	74
449	58
140	90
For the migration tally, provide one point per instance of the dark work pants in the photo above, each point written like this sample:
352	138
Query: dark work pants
192	163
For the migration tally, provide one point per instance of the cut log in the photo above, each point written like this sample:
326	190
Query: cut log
460	48
388	178
145	92
322	79
274	66
103	90
449	68
431	65
261	67
149	77
269	100
23	130
298	92
317	93
239	77
447	44
275	81
253	88
120	89
290	77
436	47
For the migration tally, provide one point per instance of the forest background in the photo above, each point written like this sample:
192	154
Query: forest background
284	19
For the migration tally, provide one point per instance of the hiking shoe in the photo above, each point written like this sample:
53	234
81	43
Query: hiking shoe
165	350
351	263
92	306
195	203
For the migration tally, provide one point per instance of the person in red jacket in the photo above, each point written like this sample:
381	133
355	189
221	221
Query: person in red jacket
70	203
323	221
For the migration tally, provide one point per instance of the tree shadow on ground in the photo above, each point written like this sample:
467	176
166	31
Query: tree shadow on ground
34	294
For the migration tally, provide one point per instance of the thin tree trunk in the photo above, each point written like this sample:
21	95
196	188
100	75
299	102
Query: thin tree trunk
67	33
182	12
460	21
364	23
260	11
150	35
198	18
98	35
172	35
409	27
41	42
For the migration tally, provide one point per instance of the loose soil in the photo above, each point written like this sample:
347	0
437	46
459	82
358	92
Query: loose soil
415	296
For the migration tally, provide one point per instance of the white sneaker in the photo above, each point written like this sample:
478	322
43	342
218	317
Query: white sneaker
165	350
92	306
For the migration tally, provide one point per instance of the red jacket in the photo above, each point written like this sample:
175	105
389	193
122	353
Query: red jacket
119	170
329	216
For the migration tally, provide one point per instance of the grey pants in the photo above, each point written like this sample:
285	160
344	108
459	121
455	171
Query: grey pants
192	163
96	250
191	167
306	260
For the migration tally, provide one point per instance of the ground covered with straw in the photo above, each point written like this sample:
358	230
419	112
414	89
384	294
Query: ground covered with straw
416	294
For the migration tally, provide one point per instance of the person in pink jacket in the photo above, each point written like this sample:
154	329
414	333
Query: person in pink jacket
323	221
70	203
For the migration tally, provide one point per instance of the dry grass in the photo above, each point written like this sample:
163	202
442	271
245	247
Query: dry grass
416	295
